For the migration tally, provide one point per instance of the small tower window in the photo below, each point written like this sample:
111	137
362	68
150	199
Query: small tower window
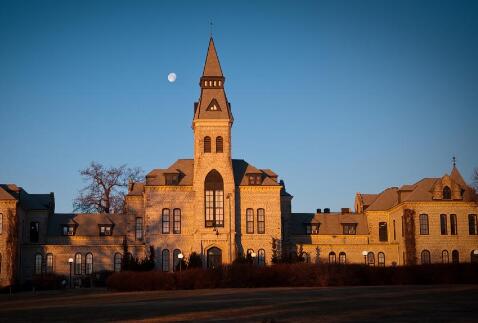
214	83
207	144
446	193
219	145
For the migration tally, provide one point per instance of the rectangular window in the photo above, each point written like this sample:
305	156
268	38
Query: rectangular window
106	230
172	179
1	223
249	221
68	230
219	199
403	227
177	221
394	232
350	228
312	228
443	224
49	263
382	231
165	221
34	231
453	225
209	208
261	221
423	224
472	224
139	229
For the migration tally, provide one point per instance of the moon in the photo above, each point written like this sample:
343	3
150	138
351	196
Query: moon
172	77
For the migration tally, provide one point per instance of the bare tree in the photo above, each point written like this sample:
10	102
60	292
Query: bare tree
106	188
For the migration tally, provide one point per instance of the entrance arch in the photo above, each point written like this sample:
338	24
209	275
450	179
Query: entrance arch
214	257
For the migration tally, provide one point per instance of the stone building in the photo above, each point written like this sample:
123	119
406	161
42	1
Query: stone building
222	208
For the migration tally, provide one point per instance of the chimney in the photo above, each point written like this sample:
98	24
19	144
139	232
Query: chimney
345	210
326	210
130	184
319	210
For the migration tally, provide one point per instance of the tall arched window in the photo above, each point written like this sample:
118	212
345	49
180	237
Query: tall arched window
176	260
165	260
207	144
117	262
165	221
425	257
49	263
78	259
214	257
371	259
453	227
342	258
332	258
381	259
455	257
443	224
261	257
249	221
445	258
219	145
89	263
423	223
177	221
261	221
446	193
38	264
214	199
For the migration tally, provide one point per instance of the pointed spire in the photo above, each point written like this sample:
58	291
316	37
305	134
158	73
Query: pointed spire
212	67
456	176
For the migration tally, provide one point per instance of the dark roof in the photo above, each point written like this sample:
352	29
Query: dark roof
212	67
88	224
185	169
5	195
330	223
137	189
37	201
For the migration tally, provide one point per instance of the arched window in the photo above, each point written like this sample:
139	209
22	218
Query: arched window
219	145
177	221
214	257
381	259
165	221
261	257
425	257
473	256
371	259
214	199
446	193
89	263
34	231
49	263
207	144
249	253
445	258
165	260
78	259
261	221
176	260
332	258
455	257
249	221
117	262
38	264
342	258
423	223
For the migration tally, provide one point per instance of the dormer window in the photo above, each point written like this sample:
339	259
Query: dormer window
350	228
254	179
312	228
172	179
68	230
446	193
213	106
106	229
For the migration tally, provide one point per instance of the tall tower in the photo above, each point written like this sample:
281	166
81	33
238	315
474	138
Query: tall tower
213	173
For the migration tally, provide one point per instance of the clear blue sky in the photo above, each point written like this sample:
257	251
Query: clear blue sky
336	97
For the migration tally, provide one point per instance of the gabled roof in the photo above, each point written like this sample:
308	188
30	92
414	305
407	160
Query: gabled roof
183	167
88	224
4	195
241	168
137	189
456	176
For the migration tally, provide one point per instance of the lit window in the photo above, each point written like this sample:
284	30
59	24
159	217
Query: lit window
49	263
371	259
381	259
176	260
342	258
165	260
445	258
68	230
139	229
106	230
332	258
78	259
89	263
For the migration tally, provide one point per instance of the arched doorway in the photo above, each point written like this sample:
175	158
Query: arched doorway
214	257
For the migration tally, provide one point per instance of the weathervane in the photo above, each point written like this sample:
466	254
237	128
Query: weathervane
454	161
210	27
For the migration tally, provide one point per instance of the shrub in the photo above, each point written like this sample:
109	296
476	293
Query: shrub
245	275
49	281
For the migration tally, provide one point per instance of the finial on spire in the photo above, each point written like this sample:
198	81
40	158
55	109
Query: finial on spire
454	161
210	27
